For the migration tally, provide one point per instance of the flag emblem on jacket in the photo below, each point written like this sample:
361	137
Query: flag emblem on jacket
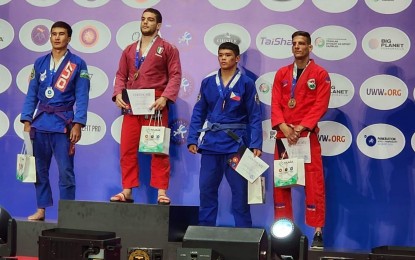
235	97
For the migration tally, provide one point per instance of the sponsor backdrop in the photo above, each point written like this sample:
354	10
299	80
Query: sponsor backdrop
367	135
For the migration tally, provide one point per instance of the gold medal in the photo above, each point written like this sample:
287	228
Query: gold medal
291	103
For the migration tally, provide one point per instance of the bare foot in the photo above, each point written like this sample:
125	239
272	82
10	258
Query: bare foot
39	215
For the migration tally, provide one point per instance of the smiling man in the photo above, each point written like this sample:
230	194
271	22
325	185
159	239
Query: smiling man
58	81
300	98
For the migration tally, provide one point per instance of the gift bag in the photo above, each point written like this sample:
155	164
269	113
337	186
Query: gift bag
256	191
289	172
26	167
155	139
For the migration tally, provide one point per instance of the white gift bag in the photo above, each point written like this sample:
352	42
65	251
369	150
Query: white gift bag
289	172
26	167
256	191
155	139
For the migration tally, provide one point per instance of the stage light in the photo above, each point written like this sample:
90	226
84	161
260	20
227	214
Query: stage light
7	235
287	241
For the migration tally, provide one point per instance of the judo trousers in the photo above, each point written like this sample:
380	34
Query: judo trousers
44	146
130	139
212	169
314	190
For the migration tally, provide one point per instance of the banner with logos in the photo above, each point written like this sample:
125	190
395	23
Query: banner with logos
367	136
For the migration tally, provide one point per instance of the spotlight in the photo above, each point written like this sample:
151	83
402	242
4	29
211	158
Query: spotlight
287	241
7	235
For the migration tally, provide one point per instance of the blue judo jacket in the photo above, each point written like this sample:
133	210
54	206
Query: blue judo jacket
56	93
236	106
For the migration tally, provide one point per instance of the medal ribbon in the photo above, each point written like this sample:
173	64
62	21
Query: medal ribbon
138	60
223	91
54	67
294	81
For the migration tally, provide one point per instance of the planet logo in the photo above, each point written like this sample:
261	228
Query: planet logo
373	44
40	35
89	36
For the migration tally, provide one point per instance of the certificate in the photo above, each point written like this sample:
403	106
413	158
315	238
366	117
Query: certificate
141	100
251	167
299	150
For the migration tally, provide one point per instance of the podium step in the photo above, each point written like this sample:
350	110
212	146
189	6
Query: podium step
138	225
28	233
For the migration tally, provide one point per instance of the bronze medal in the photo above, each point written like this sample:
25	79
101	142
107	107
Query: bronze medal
291	103
136	75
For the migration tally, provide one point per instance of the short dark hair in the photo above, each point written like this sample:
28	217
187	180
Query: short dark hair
61	24
230	46
302	33
159	18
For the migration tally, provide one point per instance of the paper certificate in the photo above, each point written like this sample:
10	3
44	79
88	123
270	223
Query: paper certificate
251	167
300	150
141	100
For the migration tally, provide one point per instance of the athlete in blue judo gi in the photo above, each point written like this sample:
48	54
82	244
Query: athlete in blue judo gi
59	81
229	108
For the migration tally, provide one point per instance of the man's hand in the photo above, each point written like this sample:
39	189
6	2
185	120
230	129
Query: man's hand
192	148
75	134
27	126
119	102
257	152
159	104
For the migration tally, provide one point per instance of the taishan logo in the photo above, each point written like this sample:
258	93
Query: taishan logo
275	41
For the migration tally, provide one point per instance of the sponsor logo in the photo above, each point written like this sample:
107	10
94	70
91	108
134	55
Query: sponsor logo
227	32
386	44
275	41
180	131
186	86
263	86
383	92
185	38
334	42
342	90
65	76
380	141
94	130
93	36
335	138
34	35
88	36
226	37
40	35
